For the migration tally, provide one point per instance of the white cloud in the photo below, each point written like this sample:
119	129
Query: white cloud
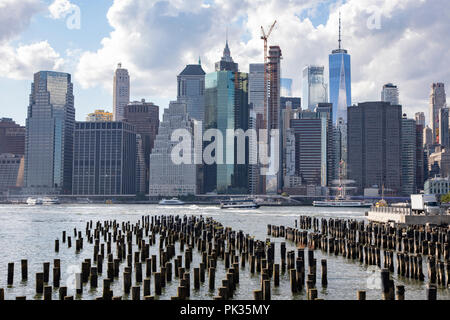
22	62
15	16
155	39
59	9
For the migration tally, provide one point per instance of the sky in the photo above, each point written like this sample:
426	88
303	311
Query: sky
405	42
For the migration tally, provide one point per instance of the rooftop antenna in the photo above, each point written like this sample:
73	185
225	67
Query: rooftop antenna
340	31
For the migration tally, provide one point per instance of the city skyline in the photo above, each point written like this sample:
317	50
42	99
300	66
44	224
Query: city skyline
311	38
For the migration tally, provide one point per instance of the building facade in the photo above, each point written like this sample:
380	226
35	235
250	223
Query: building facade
12	137
49	134
169	179
438	186
437	102
374	146
390	94
144	116
444	127
121	92
191	90
420	119
420	164
256	87
11	171
314	88
340	83
409	156
104	159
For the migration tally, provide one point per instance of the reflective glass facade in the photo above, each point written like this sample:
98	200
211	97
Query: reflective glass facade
49	133
340	84
314	88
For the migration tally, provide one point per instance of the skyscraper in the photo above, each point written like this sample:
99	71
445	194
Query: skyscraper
256	87
444	127
374	146
427	137
49	134
409	156
191	90
104	159
168	179
437	101
420	164
286	87
420	119
145	117
121	94
340	81
314	88
390	94
227	63
274	182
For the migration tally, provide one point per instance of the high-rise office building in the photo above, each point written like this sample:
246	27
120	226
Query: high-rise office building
420	119
227	63
49	134
104	159
256	87
428	137
12	137
437	102
121	92
314	88
312	139
286	87
169	179
444	127
325	111
191	90
227	108
374	146
420	164
274	182
145	117
409	156
390	94
100	115
340	81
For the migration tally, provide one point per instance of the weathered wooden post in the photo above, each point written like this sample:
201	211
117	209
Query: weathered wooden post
56	276
431	292
136	293
196	278
94	278
62	293
276	275
400	292
361	295
24	264
10	274
39	283
47	293
212	274
324	273
157	283
146	287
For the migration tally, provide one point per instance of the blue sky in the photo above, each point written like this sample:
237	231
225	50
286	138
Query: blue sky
154	39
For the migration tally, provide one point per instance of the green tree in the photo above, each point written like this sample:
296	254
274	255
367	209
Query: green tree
445	198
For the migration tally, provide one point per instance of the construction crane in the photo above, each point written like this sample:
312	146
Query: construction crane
265	37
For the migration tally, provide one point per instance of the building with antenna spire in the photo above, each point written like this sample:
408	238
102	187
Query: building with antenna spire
227	63
340	80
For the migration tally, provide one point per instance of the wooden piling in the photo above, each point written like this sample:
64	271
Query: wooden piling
10	274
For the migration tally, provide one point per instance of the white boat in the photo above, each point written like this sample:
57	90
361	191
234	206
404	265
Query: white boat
239	204
171	202
342	204
34	201
47	201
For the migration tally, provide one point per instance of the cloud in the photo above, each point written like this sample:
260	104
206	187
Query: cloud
59	9
15	16
155	39
22	62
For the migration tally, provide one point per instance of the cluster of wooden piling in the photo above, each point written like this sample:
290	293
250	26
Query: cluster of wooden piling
369	242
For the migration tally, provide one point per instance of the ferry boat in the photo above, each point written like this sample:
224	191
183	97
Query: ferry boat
342	203
239	204
34	201
171	202
50	201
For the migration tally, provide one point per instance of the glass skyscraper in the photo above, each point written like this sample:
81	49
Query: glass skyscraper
340	83
49	134
314	88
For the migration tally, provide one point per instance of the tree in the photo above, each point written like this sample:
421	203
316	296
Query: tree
445	198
